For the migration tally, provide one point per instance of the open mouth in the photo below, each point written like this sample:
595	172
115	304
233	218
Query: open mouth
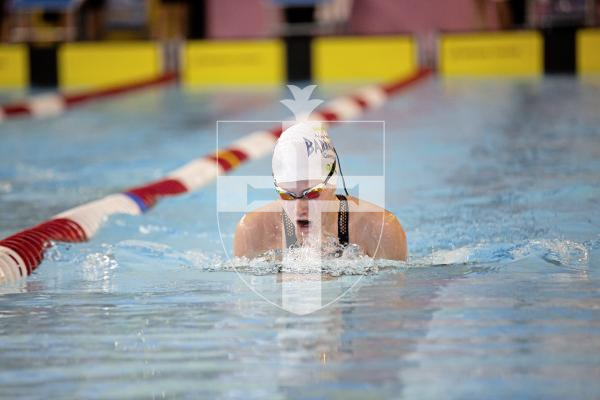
303	223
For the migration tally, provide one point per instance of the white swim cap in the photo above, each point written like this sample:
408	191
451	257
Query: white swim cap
304	151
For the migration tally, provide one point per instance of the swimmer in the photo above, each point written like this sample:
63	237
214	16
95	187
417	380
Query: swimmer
305	166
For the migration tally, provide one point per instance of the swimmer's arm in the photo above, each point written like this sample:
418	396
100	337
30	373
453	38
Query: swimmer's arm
393	240
246	241
242	240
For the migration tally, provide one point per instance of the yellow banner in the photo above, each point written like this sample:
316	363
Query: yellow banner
485	54
233	62
375	58
14	66
588	51
107	64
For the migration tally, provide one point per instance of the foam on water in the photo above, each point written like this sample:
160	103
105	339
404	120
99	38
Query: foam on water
97	265
566	253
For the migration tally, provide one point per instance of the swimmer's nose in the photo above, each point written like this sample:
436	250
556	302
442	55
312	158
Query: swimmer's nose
302	215
302	210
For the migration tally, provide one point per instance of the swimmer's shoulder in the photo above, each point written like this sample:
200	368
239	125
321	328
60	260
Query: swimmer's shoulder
389	238
362	206
367	212
263	218
265	214
255	230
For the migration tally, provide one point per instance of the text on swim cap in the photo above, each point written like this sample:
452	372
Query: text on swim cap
314	146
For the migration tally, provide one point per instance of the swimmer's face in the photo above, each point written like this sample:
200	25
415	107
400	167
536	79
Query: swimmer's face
303	208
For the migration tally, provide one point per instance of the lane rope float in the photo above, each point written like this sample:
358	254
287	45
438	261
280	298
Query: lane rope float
53	104
22	252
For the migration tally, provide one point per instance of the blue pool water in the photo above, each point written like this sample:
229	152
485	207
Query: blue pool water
496	183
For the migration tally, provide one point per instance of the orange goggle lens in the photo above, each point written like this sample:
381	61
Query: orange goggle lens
286	196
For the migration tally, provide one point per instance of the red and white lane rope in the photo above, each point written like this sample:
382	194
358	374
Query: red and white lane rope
52	104
21	253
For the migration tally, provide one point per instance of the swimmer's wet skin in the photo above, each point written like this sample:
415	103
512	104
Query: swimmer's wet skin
308	211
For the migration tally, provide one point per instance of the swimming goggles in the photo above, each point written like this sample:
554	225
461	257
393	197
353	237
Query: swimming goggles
310	193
